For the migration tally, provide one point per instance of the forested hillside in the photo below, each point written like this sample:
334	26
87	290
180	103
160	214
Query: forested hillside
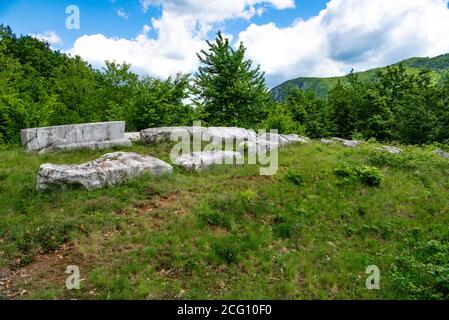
321	86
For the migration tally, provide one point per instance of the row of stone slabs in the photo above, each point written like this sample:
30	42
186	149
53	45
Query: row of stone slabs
114	168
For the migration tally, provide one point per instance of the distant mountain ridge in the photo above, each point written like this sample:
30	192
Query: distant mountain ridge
438	65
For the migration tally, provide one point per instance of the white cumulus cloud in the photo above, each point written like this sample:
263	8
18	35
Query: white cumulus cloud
346	34
181	33
350	34
49	36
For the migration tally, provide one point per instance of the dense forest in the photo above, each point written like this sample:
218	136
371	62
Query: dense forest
42	87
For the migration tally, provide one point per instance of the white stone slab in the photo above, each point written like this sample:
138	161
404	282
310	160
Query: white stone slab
77	136
201	160
108	170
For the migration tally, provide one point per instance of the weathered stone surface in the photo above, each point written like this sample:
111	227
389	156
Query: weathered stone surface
346	143
228	134
201	160
154	135
392	150
259	145
132	136
282	139
441	153
78	136
294	138
108	170
343	142
245	138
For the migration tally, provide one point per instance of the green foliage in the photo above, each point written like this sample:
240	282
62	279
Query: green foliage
370	176
231	92
41	87
423	271
322	86
412	159
294	177
280	118
406	102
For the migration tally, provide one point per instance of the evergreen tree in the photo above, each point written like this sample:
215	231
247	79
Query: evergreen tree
230	92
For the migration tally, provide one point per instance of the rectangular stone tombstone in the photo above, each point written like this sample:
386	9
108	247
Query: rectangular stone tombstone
77	136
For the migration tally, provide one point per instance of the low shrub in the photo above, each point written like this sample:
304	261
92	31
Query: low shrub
295	177
370	176
422	271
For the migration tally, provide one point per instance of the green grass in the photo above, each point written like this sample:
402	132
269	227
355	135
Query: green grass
228	233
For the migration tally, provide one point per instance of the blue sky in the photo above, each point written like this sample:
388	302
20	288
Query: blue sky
100	16
287	38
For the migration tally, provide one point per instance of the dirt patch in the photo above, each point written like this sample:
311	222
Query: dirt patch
162	202
47	270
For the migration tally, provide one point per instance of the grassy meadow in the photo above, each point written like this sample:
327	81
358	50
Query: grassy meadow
308	232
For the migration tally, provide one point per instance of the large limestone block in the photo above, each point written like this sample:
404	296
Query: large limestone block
108	170
282	139
201	160
228	134
220	135
77	136
154	135
216	134
258	146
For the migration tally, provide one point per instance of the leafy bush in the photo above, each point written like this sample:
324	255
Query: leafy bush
247	195
412	159
370	176
279	118
295	177
422	271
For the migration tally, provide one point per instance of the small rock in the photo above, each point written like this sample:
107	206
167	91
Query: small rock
441	153
391	150
132	136
326	141
346	143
